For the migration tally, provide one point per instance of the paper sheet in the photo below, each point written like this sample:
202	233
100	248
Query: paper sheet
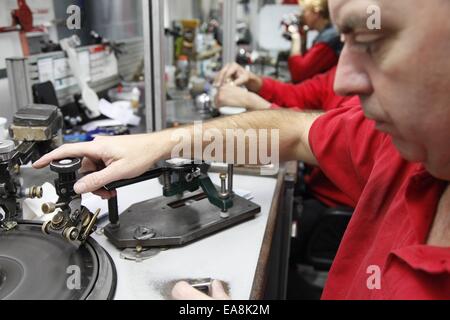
45	68
120	111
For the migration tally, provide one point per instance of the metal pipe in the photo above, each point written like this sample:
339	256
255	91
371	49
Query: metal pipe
230	178
223	190
154	64
229	31
113	211
152	174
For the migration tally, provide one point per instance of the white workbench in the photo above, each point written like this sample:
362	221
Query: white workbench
230	255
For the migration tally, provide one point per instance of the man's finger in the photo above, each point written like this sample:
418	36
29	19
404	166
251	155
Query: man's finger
218	291
231	73
97	180
183	291
78	150
88	165
240	80
222	76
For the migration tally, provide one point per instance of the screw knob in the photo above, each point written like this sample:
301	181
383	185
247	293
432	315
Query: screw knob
65	165
48	207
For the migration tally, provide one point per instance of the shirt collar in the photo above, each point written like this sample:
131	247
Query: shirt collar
423	190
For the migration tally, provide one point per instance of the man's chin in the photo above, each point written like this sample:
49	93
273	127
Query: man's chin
439	172
408	151
413	153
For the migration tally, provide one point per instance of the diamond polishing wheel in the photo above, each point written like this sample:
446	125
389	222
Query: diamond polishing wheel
34	266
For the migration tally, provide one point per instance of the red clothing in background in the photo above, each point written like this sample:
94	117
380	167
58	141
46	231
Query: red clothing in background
316	93
320	58
383	254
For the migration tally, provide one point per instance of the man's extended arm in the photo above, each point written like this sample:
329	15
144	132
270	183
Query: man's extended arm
115	158
293	131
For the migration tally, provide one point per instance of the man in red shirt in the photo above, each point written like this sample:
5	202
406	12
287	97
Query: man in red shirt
391	157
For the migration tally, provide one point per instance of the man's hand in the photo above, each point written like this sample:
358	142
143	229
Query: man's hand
109	159
296	44
233	96
183	291
233	72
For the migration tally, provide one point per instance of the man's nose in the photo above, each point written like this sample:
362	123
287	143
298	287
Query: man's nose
351	76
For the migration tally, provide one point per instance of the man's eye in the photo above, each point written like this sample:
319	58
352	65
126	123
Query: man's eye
366	38
363	43
361	47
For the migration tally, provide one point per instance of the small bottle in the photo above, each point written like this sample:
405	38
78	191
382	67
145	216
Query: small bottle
182	73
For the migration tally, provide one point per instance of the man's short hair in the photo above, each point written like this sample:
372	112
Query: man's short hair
318	6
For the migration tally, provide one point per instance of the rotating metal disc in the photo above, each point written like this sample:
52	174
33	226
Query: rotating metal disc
34	266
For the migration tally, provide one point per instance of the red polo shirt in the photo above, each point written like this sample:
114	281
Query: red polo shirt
316	93
320	58
383	253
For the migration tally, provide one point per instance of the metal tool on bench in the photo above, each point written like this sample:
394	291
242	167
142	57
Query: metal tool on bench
183	214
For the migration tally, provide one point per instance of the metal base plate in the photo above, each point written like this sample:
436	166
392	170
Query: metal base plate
165	222
34	266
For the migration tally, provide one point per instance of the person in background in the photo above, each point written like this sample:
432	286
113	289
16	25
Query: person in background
324	54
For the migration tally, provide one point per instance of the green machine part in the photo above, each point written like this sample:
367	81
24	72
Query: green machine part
207	186
213	196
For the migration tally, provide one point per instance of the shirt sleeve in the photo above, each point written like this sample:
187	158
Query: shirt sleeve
345	145
307	95
316	60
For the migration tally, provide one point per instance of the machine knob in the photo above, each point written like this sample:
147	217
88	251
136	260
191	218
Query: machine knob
65	165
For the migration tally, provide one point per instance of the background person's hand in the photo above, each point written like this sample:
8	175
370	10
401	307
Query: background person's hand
232	72
237	75
108	159
296	36
184	291
232	96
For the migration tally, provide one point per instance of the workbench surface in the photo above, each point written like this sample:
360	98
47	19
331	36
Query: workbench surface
230	255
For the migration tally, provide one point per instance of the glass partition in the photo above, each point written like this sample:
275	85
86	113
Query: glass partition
193	52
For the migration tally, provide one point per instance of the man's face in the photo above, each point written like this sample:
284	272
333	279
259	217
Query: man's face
310	17
401	72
